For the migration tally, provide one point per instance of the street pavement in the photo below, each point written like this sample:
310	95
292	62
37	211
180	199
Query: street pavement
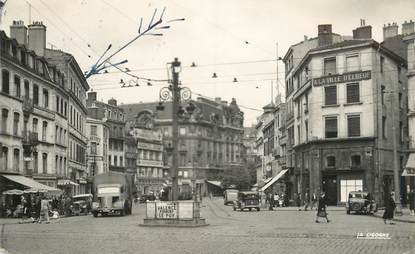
280	231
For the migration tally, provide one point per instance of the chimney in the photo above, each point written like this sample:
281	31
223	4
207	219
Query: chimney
325	36
37	38
408	27
218	99
363	32
390	30
18	31
92	96
112	102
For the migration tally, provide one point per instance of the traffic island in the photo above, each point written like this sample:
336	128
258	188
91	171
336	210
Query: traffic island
173	214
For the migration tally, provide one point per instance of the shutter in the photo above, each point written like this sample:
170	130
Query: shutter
353	127
331	127
330	95
353	93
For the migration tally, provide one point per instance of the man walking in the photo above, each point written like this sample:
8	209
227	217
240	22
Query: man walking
389	209
321	211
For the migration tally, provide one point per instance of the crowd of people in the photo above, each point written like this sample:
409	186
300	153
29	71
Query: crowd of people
36	207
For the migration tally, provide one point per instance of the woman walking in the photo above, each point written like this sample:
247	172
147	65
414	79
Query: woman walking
321	211
389	209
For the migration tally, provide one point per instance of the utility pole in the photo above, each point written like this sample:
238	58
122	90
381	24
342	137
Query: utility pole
175	90
278	89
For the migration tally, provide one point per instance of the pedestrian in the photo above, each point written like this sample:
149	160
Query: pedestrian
276	200
298	201
25	214
411	197
389	209
44	209
306	200
321	209
313	201
270	200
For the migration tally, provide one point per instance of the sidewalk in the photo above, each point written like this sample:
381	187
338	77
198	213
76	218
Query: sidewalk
295	208
405	217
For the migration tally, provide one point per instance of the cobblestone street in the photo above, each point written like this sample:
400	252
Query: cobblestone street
228	232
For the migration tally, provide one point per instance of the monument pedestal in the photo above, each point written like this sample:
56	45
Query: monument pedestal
173	214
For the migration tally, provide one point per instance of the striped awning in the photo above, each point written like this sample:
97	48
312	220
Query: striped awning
30	183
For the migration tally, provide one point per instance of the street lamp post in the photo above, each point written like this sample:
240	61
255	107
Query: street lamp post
175	91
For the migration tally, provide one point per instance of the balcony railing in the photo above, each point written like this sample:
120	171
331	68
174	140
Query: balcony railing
30	138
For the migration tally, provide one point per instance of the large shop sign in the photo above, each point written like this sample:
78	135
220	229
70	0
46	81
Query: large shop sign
347	77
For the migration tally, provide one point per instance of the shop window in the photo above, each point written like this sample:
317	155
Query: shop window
331	161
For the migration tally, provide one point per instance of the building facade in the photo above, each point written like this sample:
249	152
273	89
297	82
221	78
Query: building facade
98	142
210	139
346	108
34	103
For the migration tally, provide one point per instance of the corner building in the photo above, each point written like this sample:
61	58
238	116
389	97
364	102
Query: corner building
347	100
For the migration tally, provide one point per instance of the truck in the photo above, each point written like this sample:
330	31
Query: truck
230	196
113	193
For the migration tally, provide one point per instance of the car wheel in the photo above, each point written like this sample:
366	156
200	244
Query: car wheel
348	211
95	214
250	209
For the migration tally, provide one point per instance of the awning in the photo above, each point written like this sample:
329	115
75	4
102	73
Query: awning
409	169
216	183
66	182
280	174
30	183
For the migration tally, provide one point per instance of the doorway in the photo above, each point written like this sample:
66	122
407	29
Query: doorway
330	188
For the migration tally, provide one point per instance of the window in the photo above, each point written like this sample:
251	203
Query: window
305	105
353	125
331	161
384	126
45	98
35	163
16	159
4	120
26	89
330	93
401	134
355	161
109	159
36	94
329	66
185	174
352	63
16	118
93	130
331	127
57	104
353	94
45	163
17	86
382	94
121	161
34	125
66	109
400	101
306	130
115	161
5	80
93	148
57	134
382	62
44	130
5	156
182	131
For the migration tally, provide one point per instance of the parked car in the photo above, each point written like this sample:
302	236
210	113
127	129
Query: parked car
247	200
361	202
81	204
230	196
147	197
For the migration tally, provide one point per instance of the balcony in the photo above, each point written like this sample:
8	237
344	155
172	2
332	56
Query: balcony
27	106
30	138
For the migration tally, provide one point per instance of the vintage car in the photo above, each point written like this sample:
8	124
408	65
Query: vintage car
247	200
230	196
361	202
147	197
81	204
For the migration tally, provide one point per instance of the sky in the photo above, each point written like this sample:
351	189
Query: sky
234	39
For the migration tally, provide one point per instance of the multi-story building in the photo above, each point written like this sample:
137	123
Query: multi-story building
73	106
113	116
345	100
210	138
98	140
34	103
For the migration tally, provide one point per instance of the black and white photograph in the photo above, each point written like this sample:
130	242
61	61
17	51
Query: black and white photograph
207	127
